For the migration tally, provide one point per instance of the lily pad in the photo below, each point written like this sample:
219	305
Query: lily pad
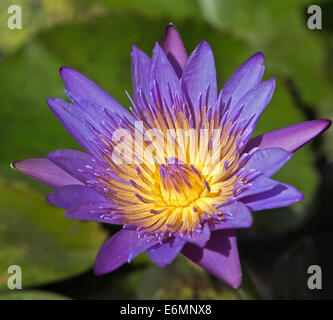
35	236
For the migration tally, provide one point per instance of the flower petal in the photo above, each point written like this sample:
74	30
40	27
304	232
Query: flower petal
174	48
77	128
292	137
76	163
163	74
240	217
164	254
78	84
140	71
280	196
245	78
268	161
71	195
219	257
253	103
120	248
44	171
97	211
199	74
200	238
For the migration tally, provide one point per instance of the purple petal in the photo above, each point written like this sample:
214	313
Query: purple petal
219	257
280	196
199	74
78	84
97	211
140	71
76	163
200	238
164	254
292	137
258	185
254	102
120	248
239	217
163	74
68	196
174	48
45	171
245	78
268	161
77	128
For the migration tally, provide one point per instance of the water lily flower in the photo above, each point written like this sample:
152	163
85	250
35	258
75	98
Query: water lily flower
188	200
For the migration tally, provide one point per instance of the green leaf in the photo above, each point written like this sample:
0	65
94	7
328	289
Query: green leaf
36	236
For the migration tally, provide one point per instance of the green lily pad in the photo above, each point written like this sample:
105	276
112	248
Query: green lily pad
35	236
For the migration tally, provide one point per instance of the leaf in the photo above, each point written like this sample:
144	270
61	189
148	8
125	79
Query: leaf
36	236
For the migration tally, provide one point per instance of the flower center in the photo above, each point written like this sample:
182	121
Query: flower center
180	185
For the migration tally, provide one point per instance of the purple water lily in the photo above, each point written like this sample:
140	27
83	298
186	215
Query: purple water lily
189	199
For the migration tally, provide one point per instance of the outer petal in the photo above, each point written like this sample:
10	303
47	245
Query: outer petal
76	163
77	128
280	196
199	74
219	257
163	74
45	171
245	78
268	161
174	48
78	84
140	71
164	254
120	248
253	103
292	137
71	195
239	217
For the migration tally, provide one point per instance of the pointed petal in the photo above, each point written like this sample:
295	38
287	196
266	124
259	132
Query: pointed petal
253	103
268	161
68	196
280	196
292	137
78	129
140	71
78	84
199	74
239	217
45	171
219	257
164	254
162	72
174	48
76	163
120	248
245	78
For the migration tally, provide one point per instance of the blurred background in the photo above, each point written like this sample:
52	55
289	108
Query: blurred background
95	37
